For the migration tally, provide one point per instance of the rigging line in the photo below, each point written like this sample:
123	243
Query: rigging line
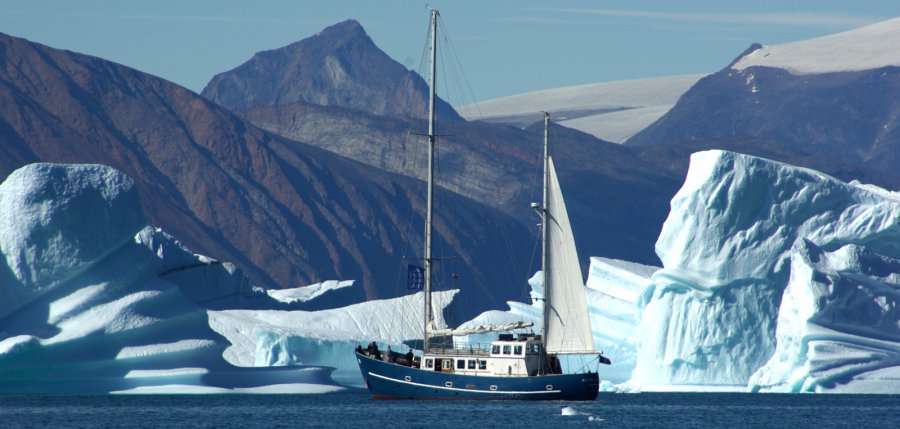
457	79
405	231
420	68
450	81
458	63
531	260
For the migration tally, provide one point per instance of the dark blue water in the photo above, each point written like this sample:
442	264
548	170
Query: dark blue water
356	410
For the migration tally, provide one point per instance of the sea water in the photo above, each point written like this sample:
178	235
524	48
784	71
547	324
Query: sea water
355	409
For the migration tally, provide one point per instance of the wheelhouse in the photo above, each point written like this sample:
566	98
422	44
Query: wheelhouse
508	355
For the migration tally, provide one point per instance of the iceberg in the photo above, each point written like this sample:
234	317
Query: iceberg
307	293
94	301
325	337
741	295
838	325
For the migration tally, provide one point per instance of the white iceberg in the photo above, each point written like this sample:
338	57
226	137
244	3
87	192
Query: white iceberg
325	337
729	248
307	293
838	325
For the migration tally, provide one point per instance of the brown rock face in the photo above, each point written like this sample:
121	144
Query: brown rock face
617	200
285	212
340	66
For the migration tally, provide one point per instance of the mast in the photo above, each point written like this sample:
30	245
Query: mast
544	228
431	139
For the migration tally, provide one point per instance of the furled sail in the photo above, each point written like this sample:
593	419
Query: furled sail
567	326
480	329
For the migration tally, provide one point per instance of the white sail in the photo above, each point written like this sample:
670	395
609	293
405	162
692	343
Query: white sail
567	326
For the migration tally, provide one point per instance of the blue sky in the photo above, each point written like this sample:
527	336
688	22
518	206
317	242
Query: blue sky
504	47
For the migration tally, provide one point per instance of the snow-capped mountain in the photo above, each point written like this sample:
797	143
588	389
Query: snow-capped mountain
612	111
866	48
829	103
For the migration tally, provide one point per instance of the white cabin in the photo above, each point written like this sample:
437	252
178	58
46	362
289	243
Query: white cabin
509	356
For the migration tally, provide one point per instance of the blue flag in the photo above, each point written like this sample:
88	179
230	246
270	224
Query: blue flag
415	277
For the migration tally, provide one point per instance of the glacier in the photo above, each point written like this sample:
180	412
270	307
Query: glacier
865	48
96	301
774	277
612	111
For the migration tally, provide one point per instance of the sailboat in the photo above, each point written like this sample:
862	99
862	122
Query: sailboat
520	366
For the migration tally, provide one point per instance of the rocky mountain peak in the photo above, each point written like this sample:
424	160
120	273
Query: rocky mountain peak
340	66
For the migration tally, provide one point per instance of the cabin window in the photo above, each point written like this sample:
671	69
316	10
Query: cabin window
448	364
460	364
506	349
495	349
429	363
471	364
517	350
482	364
535	348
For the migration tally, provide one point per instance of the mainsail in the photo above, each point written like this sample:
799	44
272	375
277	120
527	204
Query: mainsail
567	326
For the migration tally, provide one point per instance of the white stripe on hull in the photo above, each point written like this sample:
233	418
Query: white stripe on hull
456	389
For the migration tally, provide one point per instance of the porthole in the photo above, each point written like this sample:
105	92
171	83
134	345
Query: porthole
493	387
407	378
549	387
448	384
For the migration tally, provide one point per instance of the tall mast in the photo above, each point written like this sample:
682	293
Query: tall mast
544	224
431	129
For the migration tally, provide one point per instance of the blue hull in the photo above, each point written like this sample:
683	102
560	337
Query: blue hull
392	381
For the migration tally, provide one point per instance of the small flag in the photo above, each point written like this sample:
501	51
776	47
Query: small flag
415	277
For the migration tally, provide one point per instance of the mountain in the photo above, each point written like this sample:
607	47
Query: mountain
606	185
340	66
495	164
287	213
829	103
612	111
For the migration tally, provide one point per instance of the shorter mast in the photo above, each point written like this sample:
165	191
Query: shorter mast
544	228
429	317
567	324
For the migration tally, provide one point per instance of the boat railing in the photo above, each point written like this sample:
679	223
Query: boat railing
472	349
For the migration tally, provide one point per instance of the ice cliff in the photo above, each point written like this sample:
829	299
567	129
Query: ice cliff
775	275
838	325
